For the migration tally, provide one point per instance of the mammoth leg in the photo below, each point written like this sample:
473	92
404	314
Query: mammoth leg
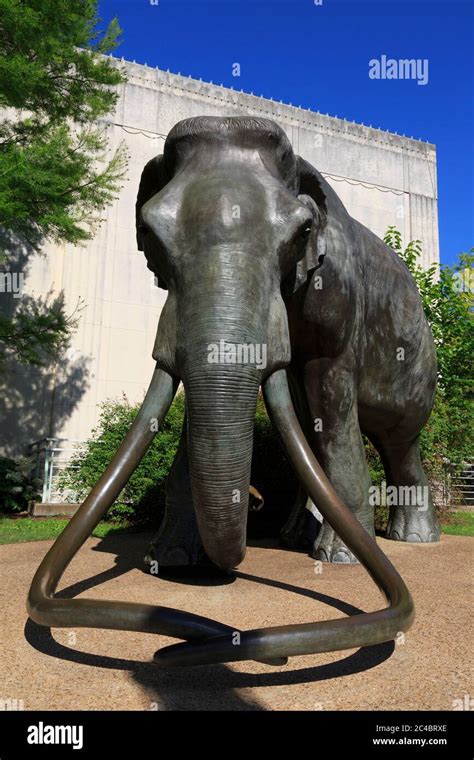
338	445
303	524
178	542
412	516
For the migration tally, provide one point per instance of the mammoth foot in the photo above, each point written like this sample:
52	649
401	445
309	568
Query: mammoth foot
177	544
414	526
328	547
174	556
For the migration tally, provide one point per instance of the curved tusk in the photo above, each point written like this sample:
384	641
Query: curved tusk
330	635
256	499
46	609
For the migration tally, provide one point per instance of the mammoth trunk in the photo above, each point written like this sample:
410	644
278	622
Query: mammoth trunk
221	354
221	411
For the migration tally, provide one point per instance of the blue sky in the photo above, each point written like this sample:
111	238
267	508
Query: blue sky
317	56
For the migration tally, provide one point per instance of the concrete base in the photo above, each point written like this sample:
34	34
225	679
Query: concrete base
53	510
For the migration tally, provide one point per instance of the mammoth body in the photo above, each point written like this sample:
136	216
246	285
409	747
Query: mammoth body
270	283
256	249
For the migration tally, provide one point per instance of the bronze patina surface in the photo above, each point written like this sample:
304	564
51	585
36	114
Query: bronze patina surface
270	284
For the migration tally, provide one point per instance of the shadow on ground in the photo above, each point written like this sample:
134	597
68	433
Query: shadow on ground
206	687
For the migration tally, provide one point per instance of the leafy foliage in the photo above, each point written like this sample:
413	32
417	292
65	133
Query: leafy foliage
39	329
52	182
17	489
448	299
55	172
143	498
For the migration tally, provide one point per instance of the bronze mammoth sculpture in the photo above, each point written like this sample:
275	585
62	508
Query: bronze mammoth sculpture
270	283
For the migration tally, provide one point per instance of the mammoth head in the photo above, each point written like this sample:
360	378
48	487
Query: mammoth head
246	138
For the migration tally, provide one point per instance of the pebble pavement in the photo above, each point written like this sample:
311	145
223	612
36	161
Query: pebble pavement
428	669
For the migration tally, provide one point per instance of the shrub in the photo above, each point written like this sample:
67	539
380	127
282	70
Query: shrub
17	488
448	299
143	498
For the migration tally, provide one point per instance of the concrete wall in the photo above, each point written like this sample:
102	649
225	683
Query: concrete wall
382	178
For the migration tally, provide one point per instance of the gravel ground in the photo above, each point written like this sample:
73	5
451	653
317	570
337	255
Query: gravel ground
112	670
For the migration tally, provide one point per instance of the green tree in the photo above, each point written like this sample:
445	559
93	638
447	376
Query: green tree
447	298
55	172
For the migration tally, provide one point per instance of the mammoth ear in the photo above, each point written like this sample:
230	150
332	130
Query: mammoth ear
332	224
153	179
314	251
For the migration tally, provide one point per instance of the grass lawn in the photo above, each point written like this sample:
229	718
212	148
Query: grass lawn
20	529
459	524
17	530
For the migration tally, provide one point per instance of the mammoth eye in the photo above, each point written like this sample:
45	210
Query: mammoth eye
305	231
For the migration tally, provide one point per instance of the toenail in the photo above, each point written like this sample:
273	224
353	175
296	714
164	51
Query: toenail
341	556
